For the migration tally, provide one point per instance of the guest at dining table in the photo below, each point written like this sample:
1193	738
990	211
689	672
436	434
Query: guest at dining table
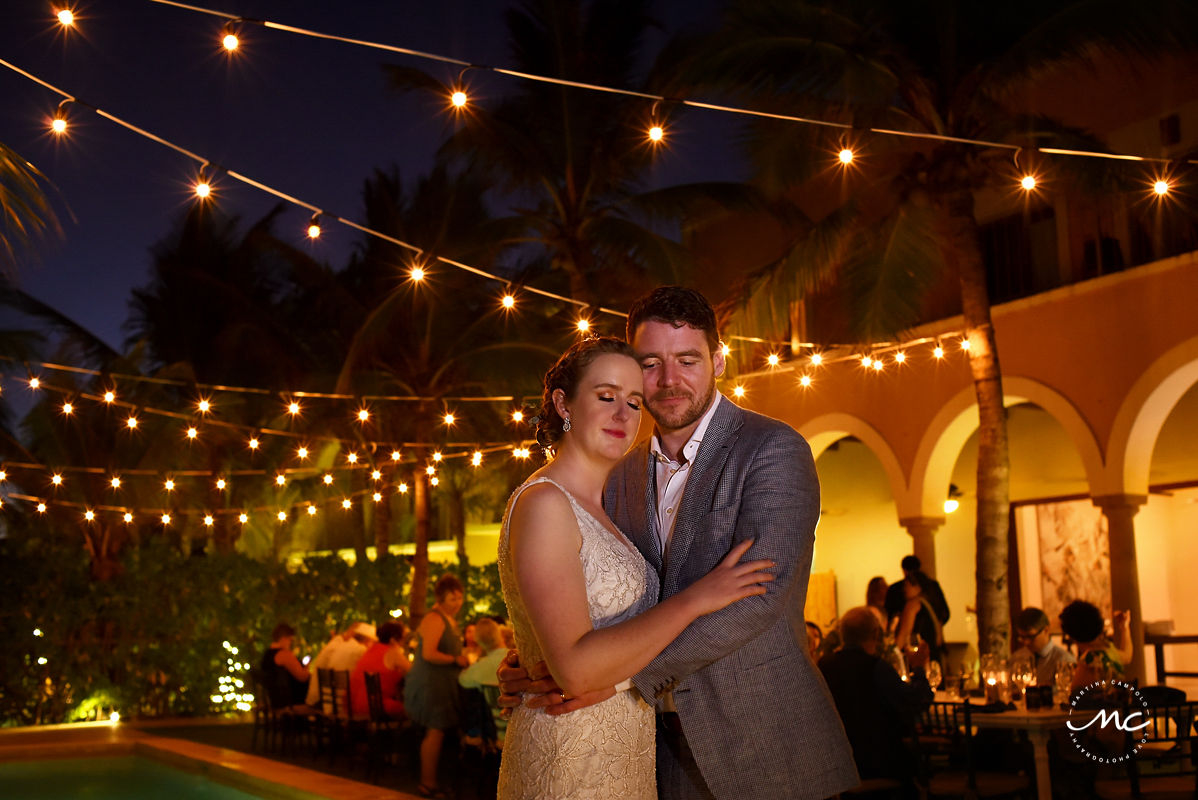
285	678
340	653
1098	657
483	673
877	707
875	598
916	606
1031	631
387	658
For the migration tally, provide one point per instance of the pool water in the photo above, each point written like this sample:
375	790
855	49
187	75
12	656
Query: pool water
124	777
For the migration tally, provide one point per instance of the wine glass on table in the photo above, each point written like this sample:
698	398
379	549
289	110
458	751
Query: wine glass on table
1023	672
934	673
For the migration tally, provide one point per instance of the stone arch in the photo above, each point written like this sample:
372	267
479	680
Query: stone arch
822	431
1141	415
956	421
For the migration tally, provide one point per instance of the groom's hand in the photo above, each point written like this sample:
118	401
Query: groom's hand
515	681
555	707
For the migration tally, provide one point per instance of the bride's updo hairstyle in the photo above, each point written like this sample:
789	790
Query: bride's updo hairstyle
566	375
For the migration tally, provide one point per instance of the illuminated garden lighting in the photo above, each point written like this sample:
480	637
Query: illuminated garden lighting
168	485
845	156
458	98
66	17
656	133
508	301
1161	187
209	520
67	408
131	423
311	511
805	381
817	359
1028	182
128	518
114	717
376	497
109	396
328	479
517	416
243	518
166	519
42	661
476	459
346	504
738	392
282	516
37	631
280	480
352	458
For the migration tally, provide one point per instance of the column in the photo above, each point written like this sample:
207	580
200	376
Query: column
923	545
1120	511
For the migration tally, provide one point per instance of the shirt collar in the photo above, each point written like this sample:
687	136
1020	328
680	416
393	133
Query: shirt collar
692	446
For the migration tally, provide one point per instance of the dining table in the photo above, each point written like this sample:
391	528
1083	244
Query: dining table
1037	723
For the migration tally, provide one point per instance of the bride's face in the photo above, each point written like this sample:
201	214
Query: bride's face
605	412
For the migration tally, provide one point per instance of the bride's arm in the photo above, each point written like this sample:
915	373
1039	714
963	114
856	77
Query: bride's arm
544	541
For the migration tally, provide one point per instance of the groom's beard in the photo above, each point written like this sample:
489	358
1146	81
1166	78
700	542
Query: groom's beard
676	418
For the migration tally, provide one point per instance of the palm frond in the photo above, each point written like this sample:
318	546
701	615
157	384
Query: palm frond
25	213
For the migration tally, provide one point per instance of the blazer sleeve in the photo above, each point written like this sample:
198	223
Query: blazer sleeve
778	509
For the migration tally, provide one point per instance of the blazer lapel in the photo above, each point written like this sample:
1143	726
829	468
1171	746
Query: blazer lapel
638	504
713	454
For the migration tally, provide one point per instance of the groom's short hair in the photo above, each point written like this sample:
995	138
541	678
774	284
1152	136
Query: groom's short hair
677	306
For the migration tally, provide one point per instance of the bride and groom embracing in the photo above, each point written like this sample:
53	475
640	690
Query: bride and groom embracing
623	576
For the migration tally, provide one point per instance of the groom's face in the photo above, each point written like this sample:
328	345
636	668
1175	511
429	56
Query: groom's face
679	370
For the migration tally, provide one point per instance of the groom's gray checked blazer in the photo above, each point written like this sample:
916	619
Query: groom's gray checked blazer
755	710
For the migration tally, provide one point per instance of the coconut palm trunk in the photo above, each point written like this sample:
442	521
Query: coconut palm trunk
962	252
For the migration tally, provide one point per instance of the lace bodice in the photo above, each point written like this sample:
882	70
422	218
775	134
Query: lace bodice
605	751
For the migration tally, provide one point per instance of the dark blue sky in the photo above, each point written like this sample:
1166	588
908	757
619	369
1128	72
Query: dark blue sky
312	118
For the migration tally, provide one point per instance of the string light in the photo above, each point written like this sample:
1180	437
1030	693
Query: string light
517	416
396	455
282	515
866	361
56	480
738	392
352	458
280	480
416	274
328	479
58	124
656	133
204	405
877	365
402	488
1028	182
1161	187
805	381
376	497
430	470
817	359
964	344
131	423
725	350
41	508
192	433
476	459
66	17
169	485
229	39
302	452
376	475
584	325
67	408
458	98
254	443
89	515
128	517
243	518
900	357
314	228
109	396
311	511
209	520
166	519
508	301
115	483
435	481
437	456
363	414
773	359
293	408
450	419
938	352
35	383
346	504
846	156
203	189
221	484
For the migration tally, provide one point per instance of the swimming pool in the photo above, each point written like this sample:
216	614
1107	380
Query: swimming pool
128	777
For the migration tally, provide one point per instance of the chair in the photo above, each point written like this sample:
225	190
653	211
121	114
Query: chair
264	715
969	782
479	739
339	723
382	728
1166	765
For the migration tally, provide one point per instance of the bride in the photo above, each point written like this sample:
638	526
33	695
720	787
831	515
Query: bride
583	599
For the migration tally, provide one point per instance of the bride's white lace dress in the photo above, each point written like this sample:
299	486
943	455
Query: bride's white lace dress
605	751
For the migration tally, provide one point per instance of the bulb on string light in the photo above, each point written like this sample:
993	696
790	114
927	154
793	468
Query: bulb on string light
59	123
938	352
584	325
115	483
209	520
35	383
738	392
363	414
458	98
450	419
109	396
402	488
204	405
131	423
805	381
845	155
89	515
56	480
508	301
376	497
314	228
243	518
476	459
725	350
352	458
41	508
964	344
656	133
376	475
221	484
166	519
866	361
346	504
282	515
430	470
311	511
437	456
293	408
435	481
128	517
417	274
67	408
203	188
328	479
1028	182
817	359
877	365
302	452
253	443
1161	187
280	480
66	17
900	357
169	485
396	455
772	359
517	416
192	433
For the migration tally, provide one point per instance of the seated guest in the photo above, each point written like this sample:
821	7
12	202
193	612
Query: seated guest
1098	657
285	678
482	673
876	706
1031	631
815	640
916	605
875	598
341	653
388	659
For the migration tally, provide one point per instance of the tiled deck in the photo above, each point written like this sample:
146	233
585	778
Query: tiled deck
270	779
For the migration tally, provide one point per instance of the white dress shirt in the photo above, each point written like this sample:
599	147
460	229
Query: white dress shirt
672	476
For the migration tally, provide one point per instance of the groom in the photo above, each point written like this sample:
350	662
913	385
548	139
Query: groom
742	711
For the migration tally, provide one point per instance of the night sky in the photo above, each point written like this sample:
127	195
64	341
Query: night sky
309	117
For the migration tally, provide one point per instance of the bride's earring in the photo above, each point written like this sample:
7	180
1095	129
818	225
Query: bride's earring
566	425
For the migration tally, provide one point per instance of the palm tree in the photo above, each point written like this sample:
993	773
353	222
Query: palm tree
571	165
25	213
933	66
